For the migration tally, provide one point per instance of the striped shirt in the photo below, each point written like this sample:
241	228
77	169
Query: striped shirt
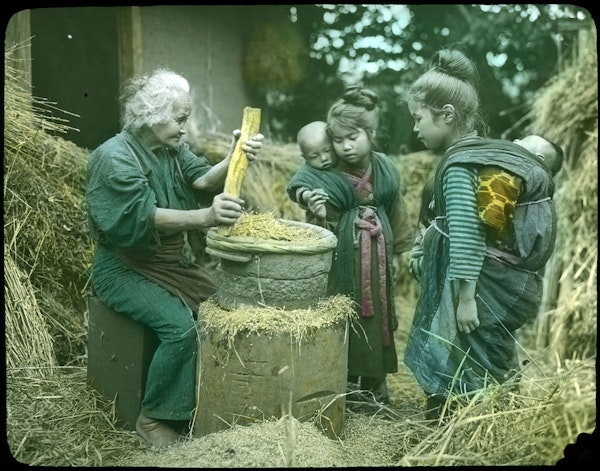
466	233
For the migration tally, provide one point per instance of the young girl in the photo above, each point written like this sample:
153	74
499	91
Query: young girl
474	293
366	211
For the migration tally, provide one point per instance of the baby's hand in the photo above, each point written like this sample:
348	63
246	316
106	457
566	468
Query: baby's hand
315	196
320	211
315	200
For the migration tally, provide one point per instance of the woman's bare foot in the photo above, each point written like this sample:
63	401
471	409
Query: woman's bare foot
156	433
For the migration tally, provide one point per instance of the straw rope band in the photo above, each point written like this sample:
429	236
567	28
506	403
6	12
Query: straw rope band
325	241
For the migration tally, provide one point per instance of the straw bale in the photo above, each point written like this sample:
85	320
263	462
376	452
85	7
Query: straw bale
284	65
263	188
566	110
44	220
577	250
568	104
414	169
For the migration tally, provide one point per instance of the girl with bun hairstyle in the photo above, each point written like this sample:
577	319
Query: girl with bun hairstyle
366	211
478	285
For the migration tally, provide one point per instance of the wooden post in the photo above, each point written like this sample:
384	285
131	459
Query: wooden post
239	162
17	40
131	51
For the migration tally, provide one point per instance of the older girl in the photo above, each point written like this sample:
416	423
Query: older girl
477	289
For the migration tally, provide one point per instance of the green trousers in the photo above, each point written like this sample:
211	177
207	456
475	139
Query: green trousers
170	391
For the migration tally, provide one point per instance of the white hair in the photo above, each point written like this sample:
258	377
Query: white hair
148	100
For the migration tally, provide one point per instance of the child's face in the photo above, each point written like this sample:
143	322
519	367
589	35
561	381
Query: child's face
318	152
431	129
539	147
353	146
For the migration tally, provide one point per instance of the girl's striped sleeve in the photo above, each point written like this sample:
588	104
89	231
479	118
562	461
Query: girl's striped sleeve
466	232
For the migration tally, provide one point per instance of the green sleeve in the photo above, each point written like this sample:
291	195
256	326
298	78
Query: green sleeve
192	165
121	205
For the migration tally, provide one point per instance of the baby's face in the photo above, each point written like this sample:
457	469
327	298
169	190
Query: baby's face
539	147
319	153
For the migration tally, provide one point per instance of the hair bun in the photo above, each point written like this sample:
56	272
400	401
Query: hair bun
358	96
455	63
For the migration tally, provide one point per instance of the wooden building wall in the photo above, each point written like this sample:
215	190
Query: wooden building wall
79	55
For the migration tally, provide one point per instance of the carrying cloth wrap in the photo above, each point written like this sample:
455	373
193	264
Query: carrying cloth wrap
508	294
534	219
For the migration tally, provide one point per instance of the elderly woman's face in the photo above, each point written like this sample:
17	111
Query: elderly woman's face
171	132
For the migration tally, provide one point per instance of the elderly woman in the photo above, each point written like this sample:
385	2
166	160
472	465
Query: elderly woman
149	200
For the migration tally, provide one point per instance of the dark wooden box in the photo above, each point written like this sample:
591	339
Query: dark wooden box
119	353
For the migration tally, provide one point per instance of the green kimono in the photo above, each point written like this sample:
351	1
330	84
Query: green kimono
142	272
368	216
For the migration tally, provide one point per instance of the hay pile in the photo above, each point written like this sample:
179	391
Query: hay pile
285	64
57	421
25	323
45	232
504	428
263	188
566	110
414	169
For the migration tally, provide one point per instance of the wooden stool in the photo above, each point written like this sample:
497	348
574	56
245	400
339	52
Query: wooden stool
119	354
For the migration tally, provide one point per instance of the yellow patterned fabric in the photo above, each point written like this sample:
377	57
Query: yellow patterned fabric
497	196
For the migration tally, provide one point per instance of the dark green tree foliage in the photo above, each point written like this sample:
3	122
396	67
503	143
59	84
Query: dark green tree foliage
517	48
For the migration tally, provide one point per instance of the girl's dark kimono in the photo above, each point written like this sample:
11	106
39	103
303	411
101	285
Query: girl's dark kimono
368	216
508	290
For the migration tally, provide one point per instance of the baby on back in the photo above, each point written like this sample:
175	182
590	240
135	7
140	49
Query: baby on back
317	152
499	189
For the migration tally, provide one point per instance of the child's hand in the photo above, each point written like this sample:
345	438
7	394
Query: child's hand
315	201
320	211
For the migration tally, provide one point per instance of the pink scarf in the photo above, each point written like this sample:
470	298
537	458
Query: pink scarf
370	227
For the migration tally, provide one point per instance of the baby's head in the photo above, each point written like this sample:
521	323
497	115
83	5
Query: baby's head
315	146
547	151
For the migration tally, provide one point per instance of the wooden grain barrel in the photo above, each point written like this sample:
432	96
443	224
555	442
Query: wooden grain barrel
261	377
288	274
